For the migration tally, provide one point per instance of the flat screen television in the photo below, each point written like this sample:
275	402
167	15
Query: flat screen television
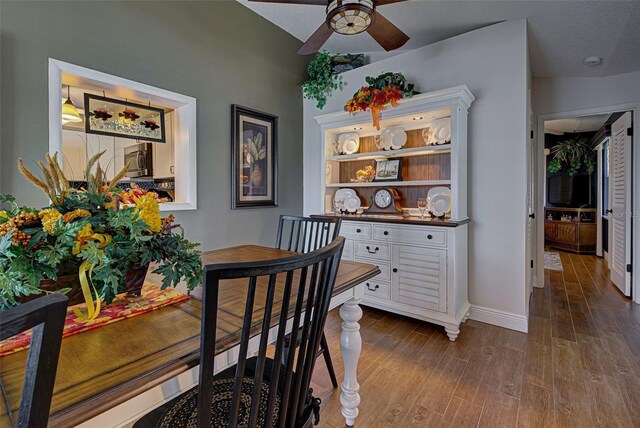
568	190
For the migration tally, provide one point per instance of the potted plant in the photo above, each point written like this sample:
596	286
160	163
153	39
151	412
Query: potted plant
572	155
387	88
321	80
92	243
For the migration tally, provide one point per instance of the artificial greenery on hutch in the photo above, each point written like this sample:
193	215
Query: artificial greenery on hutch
385	89
321	79
98	235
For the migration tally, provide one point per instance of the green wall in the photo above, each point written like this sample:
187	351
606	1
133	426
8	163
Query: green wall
219	52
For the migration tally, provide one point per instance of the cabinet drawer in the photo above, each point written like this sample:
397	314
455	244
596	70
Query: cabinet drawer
377	289
350	229
373	250
411	235
347	251
385	268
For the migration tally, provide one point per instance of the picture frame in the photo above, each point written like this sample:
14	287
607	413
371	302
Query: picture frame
254	158
388	170
124	119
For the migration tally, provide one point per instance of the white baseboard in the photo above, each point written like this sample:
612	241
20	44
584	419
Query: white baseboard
499	318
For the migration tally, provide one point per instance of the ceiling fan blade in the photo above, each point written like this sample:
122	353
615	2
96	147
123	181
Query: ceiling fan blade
310	2
383	2
317	39
386	34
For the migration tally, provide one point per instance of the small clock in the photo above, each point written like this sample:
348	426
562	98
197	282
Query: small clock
385	200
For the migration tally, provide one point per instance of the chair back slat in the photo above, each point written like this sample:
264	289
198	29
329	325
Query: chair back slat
293	288
45	316
305	234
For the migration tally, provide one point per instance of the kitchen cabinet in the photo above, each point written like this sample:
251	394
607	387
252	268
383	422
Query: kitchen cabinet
163	153
423	269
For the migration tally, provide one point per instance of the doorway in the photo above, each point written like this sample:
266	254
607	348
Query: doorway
587	205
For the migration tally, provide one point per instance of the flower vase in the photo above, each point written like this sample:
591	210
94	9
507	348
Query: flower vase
256	175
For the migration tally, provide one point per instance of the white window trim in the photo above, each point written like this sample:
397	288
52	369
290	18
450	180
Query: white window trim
185	112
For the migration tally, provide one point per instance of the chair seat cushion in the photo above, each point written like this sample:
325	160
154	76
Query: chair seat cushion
183	411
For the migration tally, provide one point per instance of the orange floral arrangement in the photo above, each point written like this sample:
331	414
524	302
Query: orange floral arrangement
387	88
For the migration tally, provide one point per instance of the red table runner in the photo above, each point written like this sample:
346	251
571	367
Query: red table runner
121	308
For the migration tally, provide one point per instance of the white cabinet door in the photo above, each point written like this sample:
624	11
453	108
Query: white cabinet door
163	153
420	278
620	194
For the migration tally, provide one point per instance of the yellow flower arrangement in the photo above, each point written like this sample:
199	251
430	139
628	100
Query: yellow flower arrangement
75	214
49	217
149	211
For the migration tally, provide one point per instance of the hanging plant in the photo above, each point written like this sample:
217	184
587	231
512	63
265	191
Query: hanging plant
321	80
387	88
572	155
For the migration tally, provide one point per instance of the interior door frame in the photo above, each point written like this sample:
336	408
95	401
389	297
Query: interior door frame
634	108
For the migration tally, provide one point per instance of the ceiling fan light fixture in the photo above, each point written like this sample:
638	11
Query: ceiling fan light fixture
350	16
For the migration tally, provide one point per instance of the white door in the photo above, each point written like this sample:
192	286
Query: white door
531	222
620	207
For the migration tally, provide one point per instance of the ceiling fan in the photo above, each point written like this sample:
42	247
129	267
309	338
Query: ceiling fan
349	17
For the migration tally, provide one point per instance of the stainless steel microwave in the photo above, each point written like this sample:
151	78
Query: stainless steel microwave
141	157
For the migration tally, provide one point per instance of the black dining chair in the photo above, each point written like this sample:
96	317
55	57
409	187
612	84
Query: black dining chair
304	234
46	316
260	391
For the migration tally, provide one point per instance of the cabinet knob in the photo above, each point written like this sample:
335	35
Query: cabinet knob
395	270
385	232
429	236
374	288
358	231
372	252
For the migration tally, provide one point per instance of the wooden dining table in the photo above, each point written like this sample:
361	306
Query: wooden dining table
105	370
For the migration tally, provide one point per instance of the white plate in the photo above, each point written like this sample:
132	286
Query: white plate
393	137
352	203
340	196
439	200
348	143
438	132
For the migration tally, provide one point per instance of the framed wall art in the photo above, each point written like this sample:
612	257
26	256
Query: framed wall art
254	157
117	118
388	170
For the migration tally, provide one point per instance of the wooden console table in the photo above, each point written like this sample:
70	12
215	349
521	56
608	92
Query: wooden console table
577	235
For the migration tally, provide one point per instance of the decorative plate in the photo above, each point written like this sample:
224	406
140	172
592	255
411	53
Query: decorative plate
438	132
439	200
340	196
393	137
349	143
352	203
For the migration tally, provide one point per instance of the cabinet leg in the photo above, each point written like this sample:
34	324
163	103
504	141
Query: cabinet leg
350	346
452	331
466	316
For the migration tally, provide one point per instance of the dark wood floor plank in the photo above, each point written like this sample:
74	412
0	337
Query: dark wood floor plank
536	407
593	355
436	392
508	372
539	365
607	410
499	411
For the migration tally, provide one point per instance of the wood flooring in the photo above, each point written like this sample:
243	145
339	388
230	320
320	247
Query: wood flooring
579	366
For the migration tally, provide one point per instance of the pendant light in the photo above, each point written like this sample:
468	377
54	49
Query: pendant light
69	111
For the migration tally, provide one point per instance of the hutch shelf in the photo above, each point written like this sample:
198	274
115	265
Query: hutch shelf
570	229
423	262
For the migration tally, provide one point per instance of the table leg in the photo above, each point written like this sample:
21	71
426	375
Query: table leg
350	346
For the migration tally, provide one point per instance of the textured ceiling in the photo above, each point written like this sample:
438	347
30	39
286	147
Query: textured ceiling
575	124
562	33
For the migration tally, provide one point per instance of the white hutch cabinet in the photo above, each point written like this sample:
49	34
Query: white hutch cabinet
423	262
